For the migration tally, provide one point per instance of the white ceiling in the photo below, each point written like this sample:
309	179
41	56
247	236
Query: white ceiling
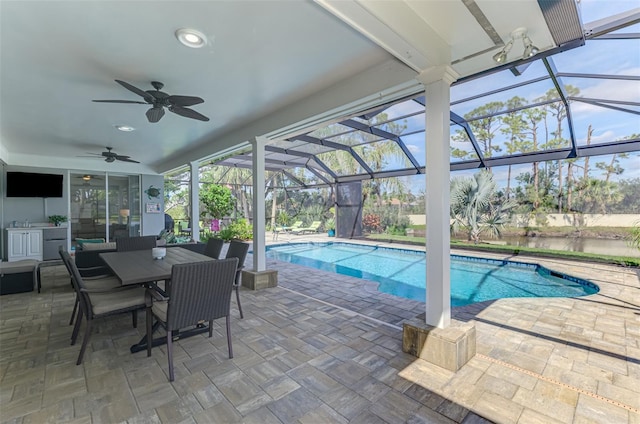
270	68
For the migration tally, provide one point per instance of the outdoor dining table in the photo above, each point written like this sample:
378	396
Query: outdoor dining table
137	267
140	267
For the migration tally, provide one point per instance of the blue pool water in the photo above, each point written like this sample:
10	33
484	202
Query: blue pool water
402	272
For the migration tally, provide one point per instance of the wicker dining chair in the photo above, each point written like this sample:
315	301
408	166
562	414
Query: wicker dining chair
238	249
200	291
126	244
93	281
214	247
98	303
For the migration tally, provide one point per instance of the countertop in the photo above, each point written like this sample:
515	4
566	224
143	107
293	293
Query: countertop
35	226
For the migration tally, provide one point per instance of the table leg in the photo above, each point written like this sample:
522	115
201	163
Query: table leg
177	335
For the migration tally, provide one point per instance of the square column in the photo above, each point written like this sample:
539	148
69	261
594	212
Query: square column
259	254
437	81
195	200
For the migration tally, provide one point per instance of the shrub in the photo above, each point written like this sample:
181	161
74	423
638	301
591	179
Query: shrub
237	230
217	201
372	223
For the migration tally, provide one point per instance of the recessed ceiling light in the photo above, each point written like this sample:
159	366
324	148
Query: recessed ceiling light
191	37
125	128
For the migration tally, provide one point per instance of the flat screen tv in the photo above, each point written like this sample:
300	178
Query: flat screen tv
29	184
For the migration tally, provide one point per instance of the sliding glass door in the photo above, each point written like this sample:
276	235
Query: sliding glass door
104	207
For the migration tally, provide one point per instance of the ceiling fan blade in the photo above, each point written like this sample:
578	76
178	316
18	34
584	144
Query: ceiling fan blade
155	113
120	101
188	113
149	98
126	159
184	100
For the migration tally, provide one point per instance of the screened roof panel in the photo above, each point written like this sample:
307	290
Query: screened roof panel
354	138
399	110
606	89
286	158
607	124
361	120
312	178
234	161
330	131
460	147
383	155
592	10
496	103
415	144
341	162
313	148
510	142
496	81
406	124
286	144
608	57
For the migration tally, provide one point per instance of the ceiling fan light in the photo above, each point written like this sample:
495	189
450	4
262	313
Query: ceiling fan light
191	38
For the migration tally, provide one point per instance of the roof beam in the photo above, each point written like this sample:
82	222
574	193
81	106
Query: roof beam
611	23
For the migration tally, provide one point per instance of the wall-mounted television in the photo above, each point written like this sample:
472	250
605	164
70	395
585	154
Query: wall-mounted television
30	184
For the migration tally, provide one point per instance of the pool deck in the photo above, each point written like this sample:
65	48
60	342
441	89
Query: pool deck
325	348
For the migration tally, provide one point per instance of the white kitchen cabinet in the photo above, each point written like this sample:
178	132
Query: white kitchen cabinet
24	243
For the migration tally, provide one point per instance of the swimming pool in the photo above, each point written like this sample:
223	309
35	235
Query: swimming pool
402	272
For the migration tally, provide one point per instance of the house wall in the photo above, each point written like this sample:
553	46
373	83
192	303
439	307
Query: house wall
37	210
152	222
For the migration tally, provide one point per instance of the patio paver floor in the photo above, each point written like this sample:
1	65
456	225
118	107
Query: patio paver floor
324	348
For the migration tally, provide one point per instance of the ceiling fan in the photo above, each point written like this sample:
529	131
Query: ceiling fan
159	100
110	156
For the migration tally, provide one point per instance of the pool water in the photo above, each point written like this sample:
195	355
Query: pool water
403	272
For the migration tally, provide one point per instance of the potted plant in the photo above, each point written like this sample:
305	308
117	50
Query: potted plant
57	219
330	226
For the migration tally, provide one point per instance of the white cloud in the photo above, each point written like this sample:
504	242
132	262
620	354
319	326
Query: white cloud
414	149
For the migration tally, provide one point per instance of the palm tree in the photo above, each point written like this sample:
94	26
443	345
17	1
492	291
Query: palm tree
472	207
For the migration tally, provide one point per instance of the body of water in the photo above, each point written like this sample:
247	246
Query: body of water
589	245
403	272
598	246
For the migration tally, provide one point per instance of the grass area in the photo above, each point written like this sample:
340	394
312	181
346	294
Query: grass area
603	232
515	250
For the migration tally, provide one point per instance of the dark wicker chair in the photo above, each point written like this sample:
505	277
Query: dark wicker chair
126	244
214	247
238	249
199	291
99	303
94	277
